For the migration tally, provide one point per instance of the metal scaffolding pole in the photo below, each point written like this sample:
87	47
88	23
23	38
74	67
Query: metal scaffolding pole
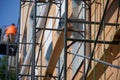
60	71
96	60
28	75
53	29
34	44
90	22
41	43
87	46
49	17
65	40
17	55
92	41
7	63
95	43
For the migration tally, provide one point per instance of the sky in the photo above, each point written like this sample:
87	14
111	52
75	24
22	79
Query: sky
9	12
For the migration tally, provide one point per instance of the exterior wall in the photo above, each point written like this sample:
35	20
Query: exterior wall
105	52
25	37
25	13
103	72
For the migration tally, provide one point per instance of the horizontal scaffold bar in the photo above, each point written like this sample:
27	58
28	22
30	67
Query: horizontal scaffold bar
41	1
36	66
90	22
49	17
21	75
59	29
96	60
92	41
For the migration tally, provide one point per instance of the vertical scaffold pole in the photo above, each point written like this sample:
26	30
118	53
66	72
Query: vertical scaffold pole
17	55
7	63
65	40
33	46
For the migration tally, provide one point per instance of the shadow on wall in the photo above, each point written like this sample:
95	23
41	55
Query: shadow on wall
49	50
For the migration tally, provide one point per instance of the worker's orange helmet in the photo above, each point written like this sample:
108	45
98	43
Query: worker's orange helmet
11	30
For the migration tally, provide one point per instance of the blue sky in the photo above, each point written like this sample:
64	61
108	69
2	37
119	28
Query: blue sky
9	12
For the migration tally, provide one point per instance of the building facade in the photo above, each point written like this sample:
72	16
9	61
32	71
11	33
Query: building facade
69	40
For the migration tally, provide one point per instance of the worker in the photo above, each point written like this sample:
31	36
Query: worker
10	32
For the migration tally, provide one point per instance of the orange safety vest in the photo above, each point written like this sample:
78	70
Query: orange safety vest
11	30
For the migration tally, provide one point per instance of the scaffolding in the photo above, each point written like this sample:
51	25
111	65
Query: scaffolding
27	70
